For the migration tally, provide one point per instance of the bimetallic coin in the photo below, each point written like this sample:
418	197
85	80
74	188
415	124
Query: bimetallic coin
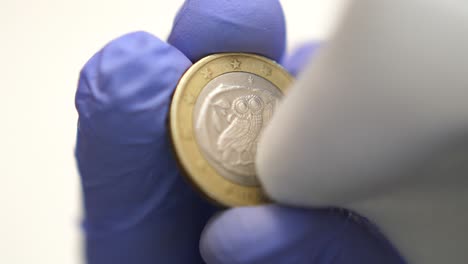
219	109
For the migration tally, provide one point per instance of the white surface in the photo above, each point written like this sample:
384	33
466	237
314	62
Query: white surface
379	124
43	46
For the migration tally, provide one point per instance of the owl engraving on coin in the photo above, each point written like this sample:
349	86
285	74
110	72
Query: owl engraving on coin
238	142
229	116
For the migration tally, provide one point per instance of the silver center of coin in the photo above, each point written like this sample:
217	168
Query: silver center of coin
229	116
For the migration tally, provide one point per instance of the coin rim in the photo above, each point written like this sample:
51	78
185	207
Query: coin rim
195	166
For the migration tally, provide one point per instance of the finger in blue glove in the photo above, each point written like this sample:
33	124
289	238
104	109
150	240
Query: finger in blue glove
203	27
299	58
276	234
137	207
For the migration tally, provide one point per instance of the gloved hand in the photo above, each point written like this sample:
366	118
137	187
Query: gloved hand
138	209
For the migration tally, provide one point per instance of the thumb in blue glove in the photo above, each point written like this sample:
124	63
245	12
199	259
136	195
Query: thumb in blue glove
276	234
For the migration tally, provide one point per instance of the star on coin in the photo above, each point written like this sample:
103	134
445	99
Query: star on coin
266	70
250	79
235	64
207	73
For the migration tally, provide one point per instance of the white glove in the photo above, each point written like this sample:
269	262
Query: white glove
378	123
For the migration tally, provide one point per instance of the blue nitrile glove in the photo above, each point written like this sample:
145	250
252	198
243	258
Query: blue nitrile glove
138	208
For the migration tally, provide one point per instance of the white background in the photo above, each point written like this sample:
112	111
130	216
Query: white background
43	46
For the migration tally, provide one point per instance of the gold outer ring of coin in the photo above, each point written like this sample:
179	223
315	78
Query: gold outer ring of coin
197	169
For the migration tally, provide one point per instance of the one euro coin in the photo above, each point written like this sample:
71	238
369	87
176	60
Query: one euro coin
219	109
